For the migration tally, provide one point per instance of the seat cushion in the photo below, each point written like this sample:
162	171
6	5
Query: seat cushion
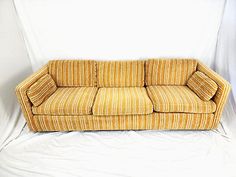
68	101
80	73
122	101
169	71
178	99
120	73
202	85
41	90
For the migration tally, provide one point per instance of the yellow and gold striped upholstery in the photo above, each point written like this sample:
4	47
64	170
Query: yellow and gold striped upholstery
202	85
83	119
68	101
222	93
120	73
122	101
169	71
154	121
73	72
41	90
178	99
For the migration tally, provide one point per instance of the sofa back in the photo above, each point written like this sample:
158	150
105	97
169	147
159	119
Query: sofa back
90	73
73	72
120	73
169	71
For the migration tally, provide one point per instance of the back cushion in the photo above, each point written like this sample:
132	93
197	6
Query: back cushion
169	71
73	72
120	74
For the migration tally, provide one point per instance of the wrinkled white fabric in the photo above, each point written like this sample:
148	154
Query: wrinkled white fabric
14	67
102	30
225	61
120	153
108	30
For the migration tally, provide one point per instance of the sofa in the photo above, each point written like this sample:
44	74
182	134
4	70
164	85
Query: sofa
152	94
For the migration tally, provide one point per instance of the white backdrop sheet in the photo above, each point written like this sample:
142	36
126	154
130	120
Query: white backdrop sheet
225	61
14	67
108	30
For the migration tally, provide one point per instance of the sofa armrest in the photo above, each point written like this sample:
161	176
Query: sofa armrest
222	92
23	99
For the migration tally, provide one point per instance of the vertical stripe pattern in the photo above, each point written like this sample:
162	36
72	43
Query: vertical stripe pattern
122	101
41	90
154	121
21	93
68	101
178	99
120	77
169	71
202	85
120	73
73	72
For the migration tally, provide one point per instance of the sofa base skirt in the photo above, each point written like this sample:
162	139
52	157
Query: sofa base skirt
154	121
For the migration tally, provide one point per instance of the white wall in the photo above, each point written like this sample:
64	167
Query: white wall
14	67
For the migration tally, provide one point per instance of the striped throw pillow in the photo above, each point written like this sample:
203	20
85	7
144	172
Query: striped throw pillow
202	85
41	90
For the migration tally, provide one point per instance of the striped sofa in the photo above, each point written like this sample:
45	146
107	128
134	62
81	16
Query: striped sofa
67	95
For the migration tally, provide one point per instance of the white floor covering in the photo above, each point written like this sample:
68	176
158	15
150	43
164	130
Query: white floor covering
119	153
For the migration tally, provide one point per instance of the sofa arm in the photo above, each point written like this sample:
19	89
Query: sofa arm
23	99
222	93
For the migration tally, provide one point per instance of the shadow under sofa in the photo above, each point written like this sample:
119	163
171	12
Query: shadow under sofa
160	94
